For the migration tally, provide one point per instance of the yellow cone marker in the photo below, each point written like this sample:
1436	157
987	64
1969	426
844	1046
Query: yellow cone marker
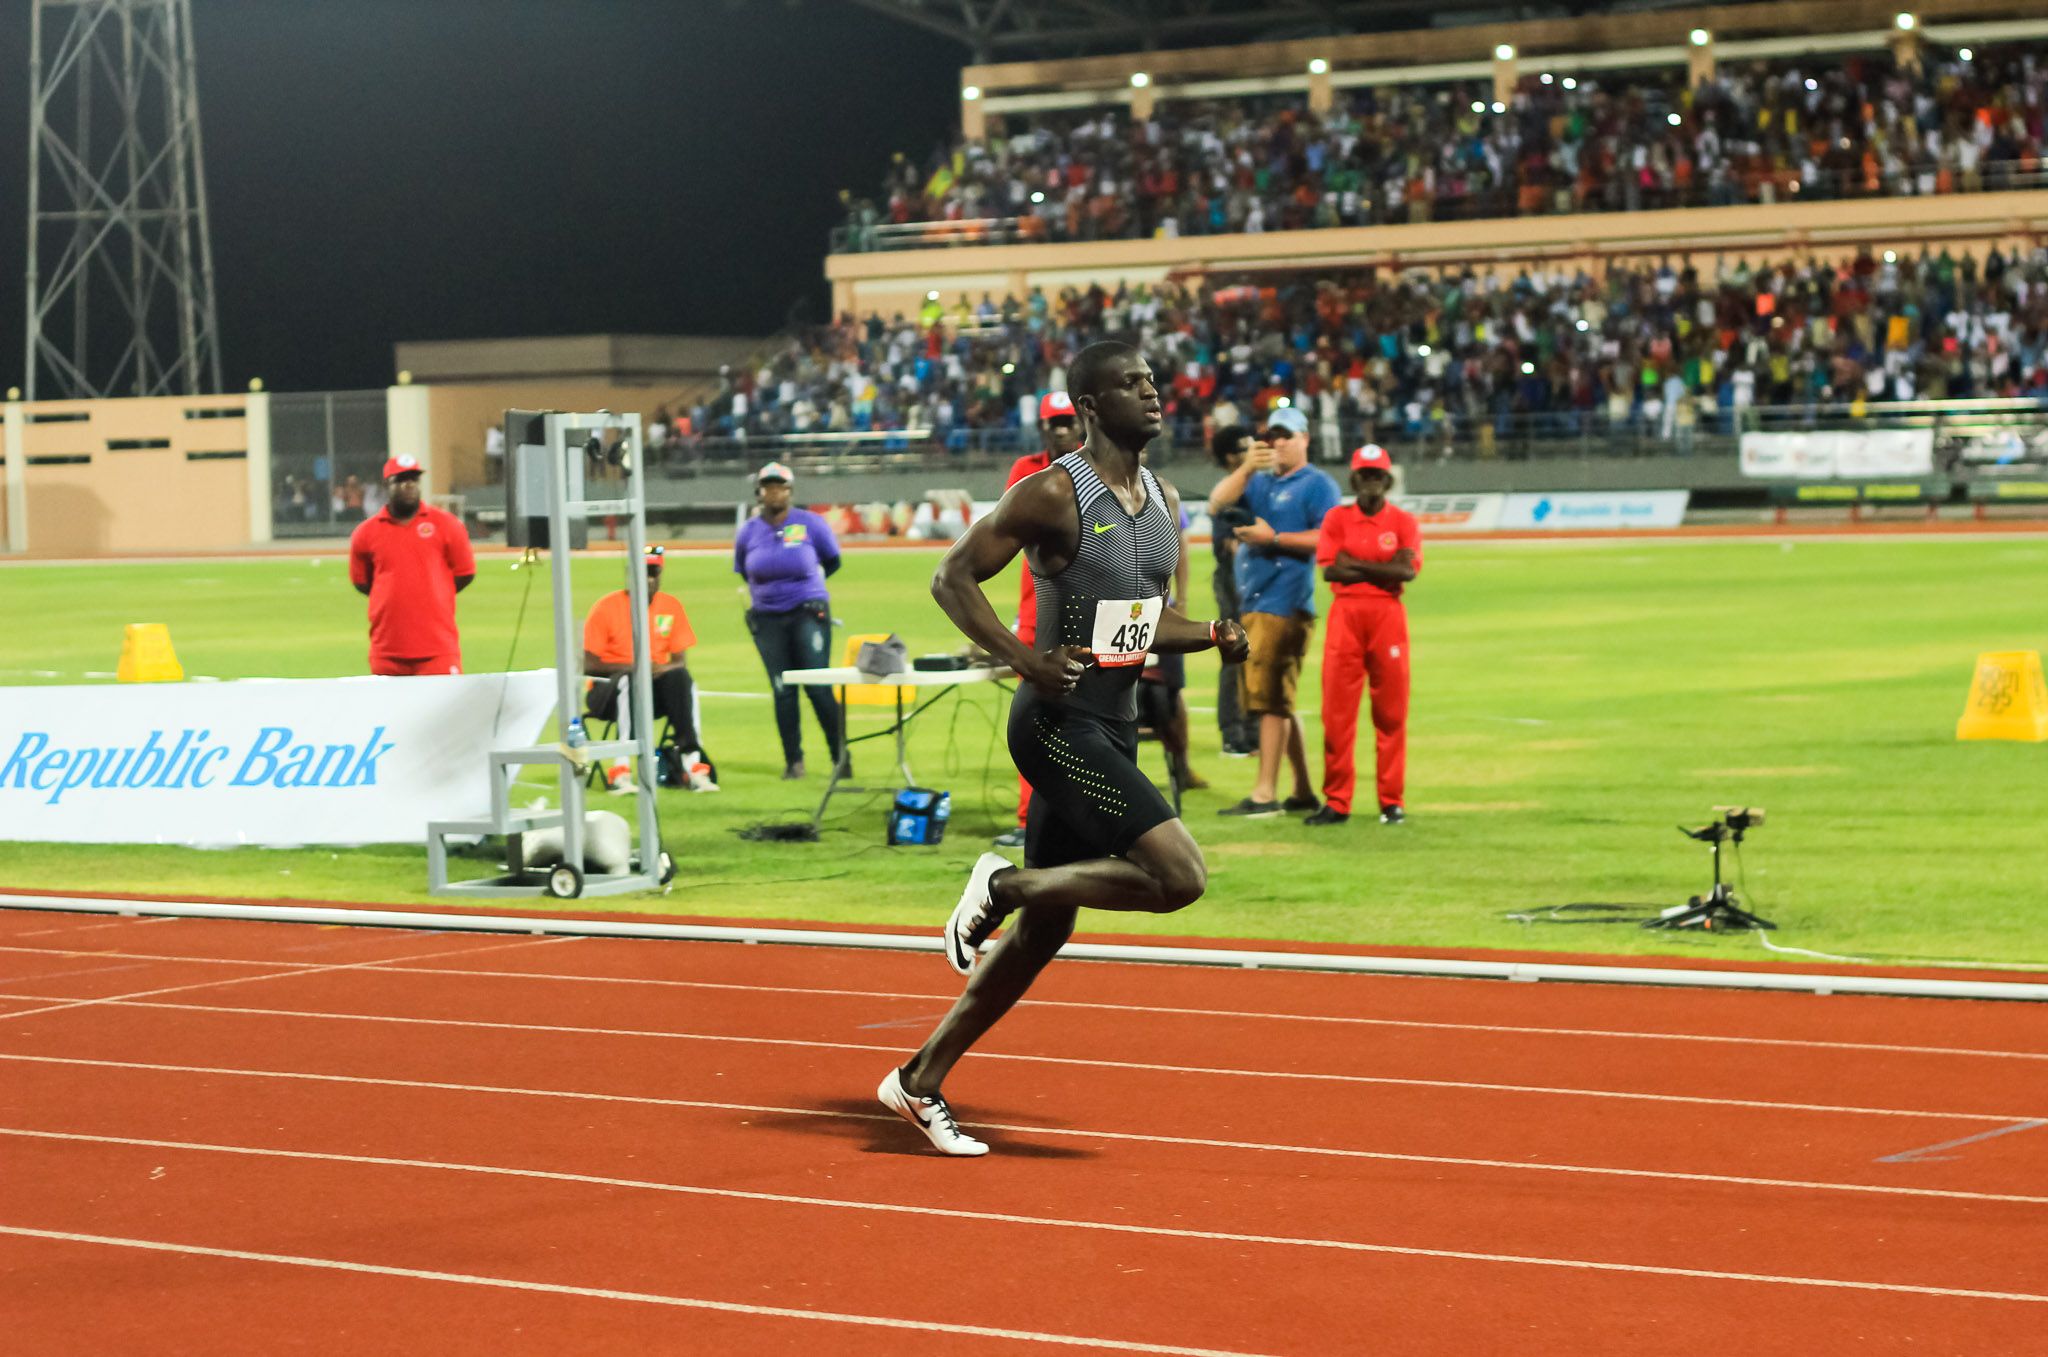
2008	700
147	656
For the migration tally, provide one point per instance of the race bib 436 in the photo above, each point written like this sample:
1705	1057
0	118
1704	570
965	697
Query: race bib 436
1124	630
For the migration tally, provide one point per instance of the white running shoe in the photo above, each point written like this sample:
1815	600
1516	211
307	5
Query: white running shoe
929	1115
967	931
696	772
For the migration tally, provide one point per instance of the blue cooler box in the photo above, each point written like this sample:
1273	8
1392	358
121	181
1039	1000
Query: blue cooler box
919	815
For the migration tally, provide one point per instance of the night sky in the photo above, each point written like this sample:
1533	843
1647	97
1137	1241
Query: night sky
384	170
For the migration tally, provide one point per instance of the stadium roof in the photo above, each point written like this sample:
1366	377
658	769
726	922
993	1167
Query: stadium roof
1026	29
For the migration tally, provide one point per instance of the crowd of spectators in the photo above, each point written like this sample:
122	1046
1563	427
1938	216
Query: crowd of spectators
1660	349
1759	132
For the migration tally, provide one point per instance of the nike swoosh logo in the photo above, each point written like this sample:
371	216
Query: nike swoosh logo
1102	527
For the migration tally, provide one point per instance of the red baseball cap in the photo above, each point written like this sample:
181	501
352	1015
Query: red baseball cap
403	465
1056	405
1373	457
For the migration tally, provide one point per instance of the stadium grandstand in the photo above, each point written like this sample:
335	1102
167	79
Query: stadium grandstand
1440	362
1236	527
1819	125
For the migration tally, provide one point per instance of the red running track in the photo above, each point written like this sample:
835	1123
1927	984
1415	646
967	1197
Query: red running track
235	1137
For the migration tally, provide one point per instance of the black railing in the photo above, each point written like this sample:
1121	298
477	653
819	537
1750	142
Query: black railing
1448	203
1646	430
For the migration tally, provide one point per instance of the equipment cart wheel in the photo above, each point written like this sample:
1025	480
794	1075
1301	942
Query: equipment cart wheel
565	882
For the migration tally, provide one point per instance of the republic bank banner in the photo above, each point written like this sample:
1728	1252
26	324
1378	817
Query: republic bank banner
258	761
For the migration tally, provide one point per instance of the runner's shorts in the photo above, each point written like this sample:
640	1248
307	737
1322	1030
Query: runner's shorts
1088	798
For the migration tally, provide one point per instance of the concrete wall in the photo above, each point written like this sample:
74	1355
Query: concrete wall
898	281
13	503
624	359
158	474
458	415
1475	42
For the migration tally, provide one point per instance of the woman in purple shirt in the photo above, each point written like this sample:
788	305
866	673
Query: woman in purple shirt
785	555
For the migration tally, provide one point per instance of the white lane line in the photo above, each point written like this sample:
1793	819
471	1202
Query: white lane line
1927	1152
61	975
399	967
901	1324
1059	1222
292	968
1075	1133
87	928
1257	1014
1315	1076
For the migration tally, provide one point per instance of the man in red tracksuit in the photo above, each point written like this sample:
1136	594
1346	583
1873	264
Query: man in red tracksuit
1369	550
1059	424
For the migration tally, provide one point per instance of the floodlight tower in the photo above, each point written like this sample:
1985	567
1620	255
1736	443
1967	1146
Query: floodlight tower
120	266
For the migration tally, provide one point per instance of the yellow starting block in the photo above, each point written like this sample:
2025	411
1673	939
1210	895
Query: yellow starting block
2008	700
147	656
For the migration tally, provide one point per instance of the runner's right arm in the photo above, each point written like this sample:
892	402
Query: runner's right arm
1027	516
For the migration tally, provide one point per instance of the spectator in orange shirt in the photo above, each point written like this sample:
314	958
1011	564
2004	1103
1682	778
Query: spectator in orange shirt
608	659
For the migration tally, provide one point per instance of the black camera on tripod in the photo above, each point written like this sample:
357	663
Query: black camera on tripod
1735	821
1718	908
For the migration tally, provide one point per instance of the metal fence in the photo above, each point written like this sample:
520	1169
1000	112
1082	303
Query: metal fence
1413	437
327	451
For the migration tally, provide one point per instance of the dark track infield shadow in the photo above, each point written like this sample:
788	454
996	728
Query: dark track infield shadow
853	1123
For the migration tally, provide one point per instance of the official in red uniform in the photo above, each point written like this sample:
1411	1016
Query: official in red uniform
1059	424
1369	551
412	560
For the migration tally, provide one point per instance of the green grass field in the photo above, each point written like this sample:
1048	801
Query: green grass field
1573	702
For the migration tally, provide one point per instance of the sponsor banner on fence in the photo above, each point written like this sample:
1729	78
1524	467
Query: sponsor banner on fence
258	761
1454	513
1587	510
2000	447
1836	453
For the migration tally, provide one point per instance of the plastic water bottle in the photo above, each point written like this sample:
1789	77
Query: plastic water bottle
574	737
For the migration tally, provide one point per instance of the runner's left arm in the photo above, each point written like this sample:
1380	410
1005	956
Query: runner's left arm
1177	631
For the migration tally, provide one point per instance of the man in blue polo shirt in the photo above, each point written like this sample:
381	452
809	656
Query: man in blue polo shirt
1276	581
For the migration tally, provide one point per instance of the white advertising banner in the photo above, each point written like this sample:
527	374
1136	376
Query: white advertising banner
1838	454
258	761
1589	510
1453	513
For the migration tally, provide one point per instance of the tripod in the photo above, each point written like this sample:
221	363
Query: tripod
1718	908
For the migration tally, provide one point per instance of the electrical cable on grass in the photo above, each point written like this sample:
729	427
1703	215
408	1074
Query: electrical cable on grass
518	624
1945	963
1607	914
1941	962
988	755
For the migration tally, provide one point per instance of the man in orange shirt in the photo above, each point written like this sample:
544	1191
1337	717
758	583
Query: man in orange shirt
608	659
1369	551
1059	424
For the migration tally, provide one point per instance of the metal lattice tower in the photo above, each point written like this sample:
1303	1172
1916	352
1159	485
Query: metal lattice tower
120	265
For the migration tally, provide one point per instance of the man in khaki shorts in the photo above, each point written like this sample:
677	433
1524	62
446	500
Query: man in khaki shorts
1275	566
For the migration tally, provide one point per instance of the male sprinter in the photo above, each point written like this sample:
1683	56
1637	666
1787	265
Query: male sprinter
1101	538
1060	425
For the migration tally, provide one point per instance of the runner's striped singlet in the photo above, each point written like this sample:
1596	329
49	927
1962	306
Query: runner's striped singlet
1122	559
